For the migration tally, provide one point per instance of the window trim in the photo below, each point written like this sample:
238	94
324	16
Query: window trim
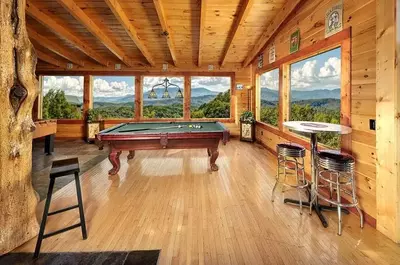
342	40
258	98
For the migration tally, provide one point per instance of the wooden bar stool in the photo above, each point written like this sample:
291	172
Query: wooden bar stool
291	162
62	168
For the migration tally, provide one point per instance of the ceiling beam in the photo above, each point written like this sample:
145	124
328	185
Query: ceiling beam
54	47
278	21
130	29
47	58
202	29
93	28
243	12
63	33
166	29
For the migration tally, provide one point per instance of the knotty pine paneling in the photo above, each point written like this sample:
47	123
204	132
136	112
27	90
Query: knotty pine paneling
360	16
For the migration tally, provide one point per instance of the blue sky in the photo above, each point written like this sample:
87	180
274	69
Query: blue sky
319	72
116	86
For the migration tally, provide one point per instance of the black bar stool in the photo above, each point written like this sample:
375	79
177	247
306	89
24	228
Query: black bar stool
62	168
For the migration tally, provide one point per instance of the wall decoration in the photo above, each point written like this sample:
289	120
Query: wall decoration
117	66
210	67
334	19
295	41
165	67
272	54
239	86
260	60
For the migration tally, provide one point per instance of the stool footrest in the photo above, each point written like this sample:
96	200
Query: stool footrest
64	210
62	230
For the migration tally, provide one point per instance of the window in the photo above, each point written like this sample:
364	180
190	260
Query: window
114	96
315	92
210	97
269	97
163	97
62	97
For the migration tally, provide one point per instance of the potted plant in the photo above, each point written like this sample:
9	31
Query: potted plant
247	126
93	121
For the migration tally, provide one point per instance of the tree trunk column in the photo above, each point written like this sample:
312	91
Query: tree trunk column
18	90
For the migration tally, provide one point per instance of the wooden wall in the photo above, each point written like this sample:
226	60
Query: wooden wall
76	128
360	15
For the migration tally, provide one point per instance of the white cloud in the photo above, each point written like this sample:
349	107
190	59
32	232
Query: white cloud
270	79
103	88
214	83
310	77
150	81
71	85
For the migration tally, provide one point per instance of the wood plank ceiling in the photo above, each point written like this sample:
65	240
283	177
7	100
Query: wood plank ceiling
142	33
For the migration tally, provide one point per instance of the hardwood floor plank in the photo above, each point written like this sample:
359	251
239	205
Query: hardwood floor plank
169	200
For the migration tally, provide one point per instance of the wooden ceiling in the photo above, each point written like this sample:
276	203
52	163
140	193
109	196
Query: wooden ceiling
96	34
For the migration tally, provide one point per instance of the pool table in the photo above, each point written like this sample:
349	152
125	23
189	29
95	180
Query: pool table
163	135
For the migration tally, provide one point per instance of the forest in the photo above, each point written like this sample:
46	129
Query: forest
56	106
308	110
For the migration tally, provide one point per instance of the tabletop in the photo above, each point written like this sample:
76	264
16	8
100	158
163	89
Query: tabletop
316	127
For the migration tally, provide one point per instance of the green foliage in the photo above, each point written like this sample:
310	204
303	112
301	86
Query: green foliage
269	115
115	111
169	111
56	106
319	114
219	107
247	116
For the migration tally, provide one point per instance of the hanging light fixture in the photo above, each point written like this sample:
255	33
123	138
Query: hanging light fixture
166	84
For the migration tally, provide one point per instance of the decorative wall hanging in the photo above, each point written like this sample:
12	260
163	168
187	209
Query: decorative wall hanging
260	60
334	19
295	41
272	54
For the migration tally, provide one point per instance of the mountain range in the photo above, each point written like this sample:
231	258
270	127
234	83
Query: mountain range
202	95
297	95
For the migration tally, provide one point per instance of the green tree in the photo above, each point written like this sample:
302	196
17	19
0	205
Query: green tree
56	106
219	107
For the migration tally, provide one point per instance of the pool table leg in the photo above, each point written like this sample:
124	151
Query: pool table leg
208	151
114	159
214	155
131	154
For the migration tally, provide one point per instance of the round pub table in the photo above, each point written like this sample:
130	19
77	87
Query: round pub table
313	128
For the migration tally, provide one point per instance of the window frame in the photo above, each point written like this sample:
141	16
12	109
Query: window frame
258	97
340	40
41	96
91	84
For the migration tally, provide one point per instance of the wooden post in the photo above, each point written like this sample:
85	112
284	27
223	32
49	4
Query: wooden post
387	115
138	97
18	90
87	95
187	93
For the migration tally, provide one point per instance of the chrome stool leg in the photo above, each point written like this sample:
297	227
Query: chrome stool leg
276	181
339	210
354	196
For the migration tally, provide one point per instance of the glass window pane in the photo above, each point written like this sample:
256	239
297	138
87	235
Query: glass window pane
315	92
210	97
159	104
62	97
114	96
269	105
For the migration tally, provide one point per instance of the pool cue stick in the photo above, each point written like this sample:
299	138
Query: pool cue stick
157	128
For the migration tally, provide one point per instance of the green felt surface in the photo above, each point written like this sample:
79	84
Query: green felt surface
155	127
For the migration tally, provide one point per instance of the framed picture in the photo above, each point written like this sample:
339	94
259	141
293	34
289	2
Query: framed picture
295	41
272	54
260	60
334	19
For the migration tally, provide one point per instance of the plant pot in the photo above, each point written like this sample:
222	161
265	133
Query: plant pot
247	131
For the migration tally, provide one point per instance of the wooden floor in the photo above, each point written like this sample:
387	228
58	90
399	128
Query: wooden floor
169	200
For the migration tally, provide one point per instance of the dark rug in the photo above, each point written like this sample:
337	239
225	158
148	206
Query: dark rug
88	154
142	257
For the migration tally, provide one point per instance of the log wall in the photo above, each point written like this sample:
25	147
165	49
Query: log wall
361	17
